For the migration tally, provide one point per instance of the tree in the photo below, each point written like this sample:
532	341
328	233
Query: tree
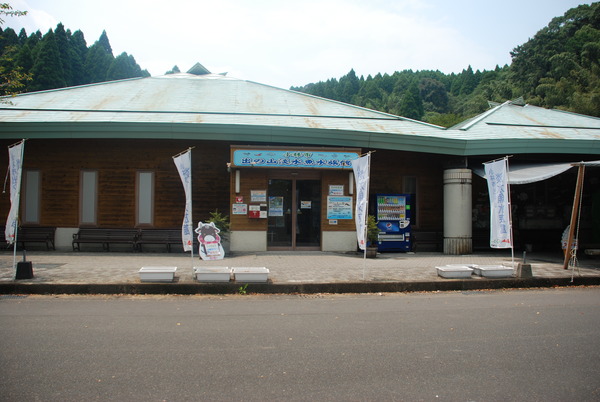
6	9
411	105
122	67
105	43
78	58
97	63
66	53
468	82
12	77
174	70
47	69
349	86
434	95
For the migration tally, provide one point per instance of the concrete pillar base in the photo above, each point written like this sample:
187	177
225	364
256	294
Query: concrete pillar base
458	245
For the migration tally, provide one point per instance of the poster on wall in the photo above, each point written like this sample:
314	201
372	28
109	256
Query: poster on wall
275	206
239	209
339	207
258	195
336	189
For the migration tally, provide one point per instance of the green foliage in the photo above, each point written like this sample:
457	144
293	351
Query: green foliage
58	59
47	70
372	230
220	220
242	290
558	68
174	70
411	105
6	9
13	78
443	119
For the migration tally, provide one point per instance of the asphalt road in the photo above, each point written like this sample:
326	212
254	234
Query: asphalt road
541	345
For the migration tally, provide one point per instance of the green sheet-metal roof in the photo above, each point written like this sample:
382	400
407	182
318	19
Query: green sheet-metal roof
216	107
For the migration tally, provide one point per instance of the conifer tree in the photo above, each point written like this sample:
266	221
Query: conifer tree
122	67
64	48
78	57
105	43
174	70
97	63
47	69
411	105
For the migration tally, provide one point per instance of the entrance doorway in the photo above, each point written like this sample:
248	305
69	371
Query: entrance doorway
294	221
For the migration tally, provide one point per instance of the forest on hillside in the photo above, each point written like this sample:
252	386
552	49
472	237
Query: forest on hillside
60	58
558	68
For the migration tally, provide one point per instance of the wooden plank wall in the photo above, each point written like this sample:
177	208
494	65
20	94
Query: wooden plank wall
335	177
388	169
250	179
60	162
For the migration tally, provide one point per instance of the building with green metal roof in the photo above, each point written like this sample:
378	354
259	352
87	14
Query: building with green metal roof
90	148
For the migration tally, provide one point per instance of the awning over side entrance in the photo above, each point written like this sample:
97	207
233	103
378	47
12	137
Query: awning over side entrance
530	173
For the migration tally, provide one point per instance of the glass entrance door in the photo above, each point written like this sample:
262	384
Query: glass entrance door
294	220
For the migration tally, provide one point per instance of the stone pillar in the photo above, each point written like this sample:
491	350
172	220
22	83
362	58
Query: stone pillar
458	225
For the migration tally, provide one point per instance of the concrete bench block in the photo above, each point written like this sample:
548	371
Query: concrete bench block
157	274
250	274
212	274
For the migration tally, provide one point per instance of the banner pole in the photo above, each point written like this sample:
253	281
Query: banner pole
184	167
15	249
512	241
191	224
576	202
367	215
18	201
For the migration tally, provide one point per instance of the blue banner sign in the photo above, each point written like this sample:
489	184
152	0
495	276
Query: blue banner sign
293	158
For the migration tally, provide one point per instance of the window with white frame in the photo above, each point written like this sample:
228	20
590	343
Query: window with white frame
31	196
88	196
145	198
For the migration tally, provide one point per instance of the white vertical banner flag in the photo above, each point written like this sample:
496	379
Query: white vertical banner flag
496	173
361	168
15	156
183	162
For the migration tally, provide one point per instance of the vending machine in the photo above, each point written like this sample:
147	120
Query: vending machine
393	215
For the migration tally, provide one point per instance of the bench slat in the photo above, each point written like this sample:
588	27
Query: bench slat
36	234
105	237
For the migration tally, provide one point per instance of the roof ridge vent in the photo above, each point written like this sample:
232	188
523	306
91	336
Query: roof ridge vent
482	116
198	69
518	102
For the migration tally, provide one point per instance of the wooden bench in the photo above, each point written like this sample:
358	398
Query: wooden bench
105	237
427	241
159	236
36	234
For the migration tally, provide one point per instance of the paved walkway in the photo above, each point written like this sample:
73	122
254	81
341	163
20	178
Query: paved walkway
58	267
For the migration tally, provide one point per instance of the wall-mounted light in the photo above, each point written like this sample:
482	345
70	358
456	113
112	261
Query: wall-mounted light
237	181
350	183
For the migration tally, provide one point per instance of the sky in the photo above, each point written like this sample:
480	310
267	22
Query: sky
287	43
